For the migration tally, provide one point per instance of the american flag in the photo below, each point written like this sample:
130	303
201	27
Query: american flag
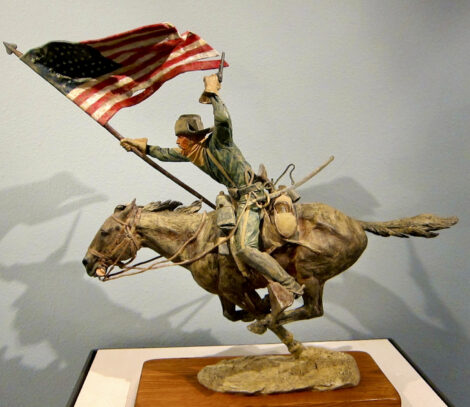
103	76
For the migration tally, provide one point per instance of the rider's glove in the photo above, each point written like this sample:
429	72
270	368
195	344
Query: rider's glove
138	143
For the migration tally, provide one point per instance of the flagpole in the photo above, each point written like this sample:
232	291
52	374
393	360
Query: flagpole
12	49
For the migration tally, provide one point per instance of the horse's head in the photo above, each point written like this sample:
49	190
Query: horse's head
115	242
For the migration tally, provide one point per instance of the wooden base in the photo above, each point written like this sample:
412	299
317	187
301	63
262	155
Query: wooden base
173	382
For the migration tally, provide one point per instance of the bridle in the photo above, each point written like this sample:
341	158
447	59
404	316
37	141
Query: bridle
124	240
122	243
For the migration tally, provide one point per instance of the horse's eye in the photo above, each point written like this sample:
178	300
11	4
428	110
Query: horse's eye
117	228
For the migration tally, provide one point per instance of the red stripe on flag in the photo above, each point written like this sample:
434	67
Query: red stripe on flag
193	66
143	29
144	54
137	81
158	37
163	48
142	50
108	81
129	71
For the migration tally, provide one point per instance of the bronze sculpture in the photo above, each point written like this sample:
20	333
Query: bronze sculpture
325	243
316	243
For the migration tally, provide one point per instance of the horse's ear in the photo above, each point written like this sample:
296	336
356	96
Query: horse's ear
123	211
119	208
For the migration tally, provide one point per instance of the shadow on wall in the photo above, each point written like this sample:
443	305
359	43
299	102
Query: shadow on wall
345	194
435	341
58	308
72	315
32	204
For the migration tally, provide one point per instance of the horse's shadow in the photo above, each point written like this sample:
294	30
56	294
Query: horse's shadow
432	337
345	194
359	294
57	315
60	315
392	317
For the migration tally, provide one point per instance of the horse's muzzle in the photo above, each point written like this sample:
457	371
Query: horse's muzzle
91	266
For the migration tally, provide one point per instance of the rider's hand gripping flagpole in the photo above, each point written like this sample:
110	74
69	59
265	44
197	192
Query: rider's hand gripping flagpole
12	49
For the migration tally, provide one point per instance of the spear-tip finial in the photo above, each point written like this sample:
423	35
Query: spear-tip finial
10	48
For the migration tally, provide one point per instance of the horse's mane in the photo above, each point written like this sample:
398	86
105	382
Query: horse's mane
173	206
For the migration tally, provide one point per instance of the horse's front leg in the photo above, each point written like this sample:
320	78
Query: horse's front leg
269	322
234	290
293	346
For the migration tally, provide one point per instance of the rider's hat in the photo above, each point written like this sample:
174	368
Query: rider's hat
190	125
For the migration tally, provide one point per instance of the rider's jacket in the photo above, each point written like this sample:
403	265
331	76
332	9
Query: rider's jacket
217	155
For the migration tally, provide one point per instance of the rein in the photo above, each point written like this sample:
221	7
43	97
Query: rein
126	270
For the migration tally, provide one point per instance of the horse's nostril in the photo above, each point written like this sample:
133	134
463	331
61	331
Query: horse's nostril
85	262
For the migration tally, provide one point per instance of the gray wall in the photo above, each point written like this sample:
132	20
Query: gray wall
383	86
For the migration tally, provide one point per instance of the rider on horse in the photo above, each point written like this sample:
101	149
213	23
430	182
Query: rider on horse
215	153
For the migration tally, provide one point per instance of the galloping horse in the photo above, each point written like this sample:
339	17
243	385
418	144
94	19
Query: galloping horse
327	243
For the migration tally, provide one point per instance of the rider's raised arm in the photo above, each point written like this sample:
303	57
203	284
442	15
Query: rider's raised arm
222	121
166	154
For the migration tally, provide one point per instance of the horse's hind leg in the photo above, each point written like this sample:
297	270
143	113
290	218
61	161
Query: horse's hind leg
313	303
313	307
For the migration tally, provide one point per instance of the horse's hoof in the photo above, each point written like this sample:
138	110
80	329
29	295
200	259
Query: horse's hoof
257	328
248	318
296	349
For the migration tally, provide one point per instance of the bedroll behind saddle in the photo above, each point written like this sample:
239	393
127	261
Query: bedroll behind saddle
279	224
284	217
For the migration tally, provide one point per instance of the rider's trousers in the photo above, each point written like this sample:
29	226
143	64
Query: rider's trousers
247	246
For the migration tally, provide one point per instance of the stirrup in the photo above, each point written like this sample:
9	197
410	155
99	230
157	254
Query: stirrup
298	293
280	297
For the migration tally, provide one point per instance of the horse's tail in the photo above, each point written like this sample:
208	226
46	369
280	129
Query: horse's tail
422	225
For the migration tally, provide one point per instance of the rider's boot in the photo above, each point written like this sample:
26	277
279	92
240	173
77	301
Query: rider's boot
272	270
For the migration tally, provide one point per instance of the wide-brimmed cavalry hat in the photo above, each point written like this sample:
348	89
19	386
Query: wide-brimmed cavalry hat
190	125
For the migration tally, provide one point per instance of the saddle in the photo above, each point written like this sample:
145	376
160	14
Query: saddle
279	222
